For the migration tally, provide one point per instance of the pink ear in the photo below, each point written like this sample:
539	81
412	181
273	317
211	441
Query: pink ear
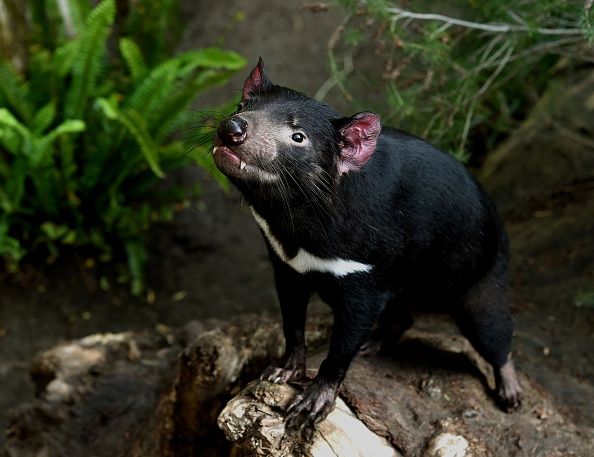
256	81
359	138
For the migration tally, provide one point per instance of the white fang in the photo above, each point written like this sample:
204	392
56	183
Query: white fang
305	261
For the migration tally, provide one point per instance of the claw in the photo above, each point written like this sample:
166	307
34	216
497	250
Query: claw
311	407
293	370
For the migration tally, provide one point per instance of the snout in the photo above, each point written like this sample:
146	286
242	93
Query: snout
232	131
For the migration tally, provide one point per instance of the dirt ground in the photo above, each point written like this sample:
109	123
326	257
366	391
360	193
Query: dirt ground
212	262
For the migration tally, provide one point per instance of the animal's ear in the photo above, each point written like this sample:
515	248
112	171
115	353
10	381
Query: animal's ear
257	82
358	138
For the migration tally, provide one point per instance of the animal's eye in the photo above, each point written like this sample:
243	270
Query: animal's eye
298	137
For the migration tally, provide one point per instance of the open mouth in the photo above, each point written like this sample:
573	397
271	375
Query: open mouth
231	164
229	156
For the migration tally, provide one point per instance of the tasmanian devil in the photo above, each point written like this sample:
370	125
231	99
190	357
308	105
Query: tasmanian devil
372	219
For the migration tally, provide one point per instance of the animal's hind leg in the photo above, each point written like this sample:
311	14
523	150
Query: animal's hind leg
394	320
485	319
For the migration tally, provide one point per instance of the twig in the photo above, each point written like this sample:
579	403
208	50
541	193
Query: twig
337	76
400	13
533	50
498	70
336	80
484	88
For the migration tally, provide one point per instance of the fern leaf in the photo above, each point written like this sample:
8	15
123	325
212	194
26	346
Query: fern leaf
10	139
14	185
41	146
136	126
170	111
8	120
154	88
134	59
10	248
64	58
213	58
15	91
87	62
47	184
80	10
43	118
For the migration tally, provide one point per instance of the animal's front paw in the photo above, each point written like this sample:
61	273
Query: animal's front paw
293	370
311	407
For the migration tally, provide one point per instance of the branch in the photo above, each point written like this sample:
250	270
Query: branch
400	13
337	76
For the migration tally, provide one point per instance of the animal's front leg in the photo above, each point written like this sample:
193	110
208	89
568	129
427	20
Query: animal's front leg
354	317
293	293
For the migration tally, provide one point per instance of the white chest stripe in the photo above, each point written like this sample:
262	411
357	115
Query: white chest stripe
305	261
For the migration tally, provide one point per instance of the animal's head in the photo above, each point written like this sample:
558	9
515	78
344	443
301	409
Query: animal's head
282	139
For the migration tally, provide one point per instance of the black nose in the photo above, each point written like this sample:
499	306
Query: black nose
232	131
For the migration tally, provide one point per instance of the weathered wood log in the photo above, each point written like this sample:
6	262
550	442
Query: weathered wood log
132	395
216	365
430	397
103	395
156	393
254	420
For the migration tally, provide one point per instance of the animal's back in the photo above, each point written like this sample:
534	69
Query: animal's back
418	215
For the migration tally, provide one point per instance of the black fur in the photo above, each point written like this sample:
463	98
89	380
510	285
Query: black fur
414	213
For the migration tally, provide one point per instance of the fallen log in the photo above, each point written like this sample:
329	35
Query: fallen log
159	393
430	397
255	421
156	393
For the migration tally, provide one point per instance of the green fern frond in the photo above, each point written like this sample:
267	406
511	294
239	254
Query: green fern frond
79	10
213	58
64	58
43	118
87	62
10	248
14	185
136	126
133	57
162	102
15	91
10	140
174	107
154	89
41	146
8	120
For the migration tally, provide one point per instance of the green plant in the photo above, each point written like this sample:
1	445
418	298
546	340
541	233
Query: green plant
86	132
460	71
